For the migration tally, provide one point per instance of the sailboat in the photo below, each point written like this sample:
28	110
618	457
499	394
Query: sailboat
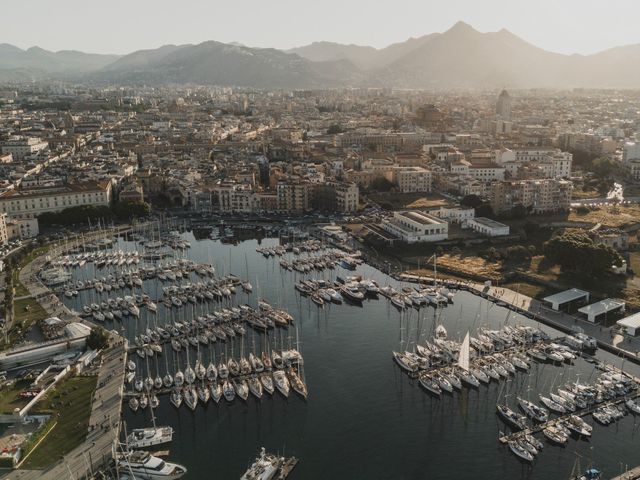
463	364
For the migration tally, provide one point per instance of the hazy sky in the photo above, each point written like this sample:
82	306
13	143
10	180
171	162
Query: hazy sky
121	26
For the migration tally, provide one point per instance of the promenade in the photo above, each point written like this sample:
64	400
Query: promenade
104	422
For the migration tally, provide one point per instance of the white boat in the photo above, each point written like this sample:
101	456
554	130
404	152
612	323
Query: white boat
282	382
520	451
144	466
147	437
266	467
633	407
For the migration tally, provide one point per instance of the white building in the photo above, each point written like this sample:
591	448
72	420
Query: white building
460	216
20	147
31	202
488	227
410	179
4	234
414	226
22	228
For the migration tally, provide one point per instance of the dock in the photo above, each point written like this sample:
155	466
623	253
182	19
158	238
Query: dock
633	474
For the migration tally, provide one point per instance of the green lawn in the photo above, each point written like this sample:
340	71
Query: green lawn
9	399
70	404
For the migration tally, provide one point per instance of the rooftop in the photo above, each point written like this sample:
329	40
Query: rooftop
567	296
421	218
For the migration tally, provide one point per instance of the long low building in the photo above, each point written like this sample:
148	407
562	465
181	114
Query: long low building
413	226
488	227
631	324
33	201
602	307
557	300
30	354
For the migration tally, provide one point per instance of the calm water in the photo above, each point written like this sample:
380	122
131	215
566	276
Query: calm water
363	418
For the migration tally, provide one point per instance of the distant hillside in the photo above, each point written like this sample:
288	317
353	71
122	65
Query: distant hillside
461	57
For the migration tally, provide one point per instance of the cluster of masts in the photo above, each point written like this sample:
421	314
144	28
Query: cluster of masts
257	374
209	328
100	259
567	402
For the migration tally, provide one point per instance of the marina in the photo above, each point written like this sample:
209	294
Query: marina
355	333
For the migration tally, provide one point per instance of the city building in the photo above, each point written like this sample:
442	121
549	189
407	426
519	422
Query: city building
503	106
488	227
537	196
21	147
414	226
31	202
410	179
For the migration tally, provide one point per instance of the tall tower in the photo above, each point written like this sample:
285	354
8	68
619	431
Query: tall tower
503	106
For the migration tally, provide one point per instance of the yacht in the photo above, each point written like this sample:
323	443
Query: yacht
266	467
267	383
176	398
532	410
147	437
216	391
511	418
241	387
520	451
144	466
405	362
297	383
282	382
555	435
228	391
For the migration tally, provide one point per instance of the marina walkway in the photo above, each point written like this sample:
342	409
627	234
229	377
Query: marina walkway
607	338
104	421
632	474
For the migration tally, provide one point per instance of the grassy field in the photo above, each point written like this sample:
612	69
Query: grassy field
10	399
409	200
70	405
27	311
610	216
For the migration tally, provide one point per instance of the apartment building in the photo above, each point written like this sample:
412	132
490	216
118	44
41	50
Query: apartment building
413	226
235	197
410	179
21	147
294	196
4	234
31	202
631	159
537	195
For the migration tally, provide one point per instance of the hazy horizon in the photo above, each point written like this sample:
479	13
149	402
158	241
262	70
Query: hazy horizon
568	27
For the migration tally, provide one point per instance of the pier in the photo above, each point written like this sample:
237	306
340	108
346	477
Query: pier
633	474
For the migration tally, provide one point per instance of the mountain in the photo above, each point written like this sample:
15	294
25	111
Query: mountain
38	60
216	63
460	57
365	58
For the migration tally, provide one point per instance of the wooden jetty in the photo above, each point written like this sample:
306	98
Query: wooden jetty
633	474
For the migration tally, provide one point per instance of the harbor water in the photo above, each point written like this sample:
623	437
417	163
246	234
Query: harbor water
364	418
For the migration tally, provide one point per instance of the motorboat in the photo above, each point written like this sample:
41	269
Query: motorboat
144	466
147	437
265	467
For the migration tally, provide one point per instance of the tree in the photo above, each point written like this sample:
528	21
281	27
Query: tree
98	338
518	211
484	210
471	201
577	251
381	184
334	128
